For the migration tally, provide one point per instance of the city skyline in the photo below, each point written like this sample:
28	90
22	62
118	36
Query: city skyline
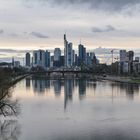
40	24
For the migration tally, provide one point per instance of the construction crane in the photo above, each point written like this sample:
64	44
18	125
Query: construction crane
116	58
112	58
112	52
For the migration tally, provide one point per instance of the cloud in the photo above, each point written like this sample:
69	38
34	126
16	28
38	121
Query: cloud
13	51
39	35
13	35
1	31
107	28
109	5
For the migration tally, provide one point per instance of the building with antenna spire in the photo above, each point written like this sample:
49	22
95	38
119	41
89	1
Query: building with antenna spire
68	53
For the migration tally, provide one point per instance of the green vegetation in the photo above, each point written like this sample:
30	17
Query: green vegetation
136	81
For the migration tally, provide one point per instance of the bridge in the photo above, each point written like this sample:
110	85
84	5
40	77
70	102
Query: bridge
63	72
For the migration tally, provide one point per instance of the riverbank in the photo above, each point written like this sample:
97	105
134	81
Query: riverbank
7	83
9	107
66	76
129	80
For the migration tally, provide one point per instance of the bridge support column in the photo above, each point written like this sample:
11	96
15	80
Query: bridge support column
76	75
63	74
49	73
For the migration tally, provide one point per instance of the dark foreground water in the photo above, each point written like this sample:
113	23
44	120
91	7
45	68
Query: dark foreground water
73	110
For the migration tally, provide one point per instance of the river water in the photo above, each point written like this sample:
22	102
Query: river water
74	110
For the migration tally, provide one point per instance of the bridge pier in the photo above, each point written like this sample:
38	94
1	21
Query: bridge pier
49	74
63	74
76	74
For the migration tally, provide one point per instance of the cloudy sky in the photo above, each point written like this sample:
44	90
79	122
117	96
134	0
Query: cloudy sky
31	24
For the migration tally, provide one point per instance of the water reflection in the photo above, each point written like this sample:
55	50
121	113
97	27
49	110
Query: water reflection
78	109
8	107
9	130
42	86
130	90
82	89
57	87
28	83
68	91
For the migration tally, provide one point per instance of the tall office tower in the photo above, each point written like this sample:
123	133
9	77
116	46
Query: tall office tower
69	55
82	54
65	50
57	54
123	55
47	59
93	58
51	61
88	59
62	61
35	58
73	57
28	59
76	60
130	56
42	58
39	58
68	52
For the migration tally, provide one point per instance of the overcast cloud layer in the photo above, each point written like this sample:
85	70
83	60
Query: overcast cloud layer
107	5
27	24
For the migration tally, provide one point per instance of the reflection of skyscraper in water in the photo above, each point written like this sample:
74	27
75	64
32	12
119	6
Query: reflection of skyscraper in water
57	87
39	86
132	90
28	83
68	91
82	89
47	84
129	89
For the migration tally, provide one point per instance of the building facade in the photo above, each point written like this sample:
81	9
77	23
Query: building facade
28	60
82	54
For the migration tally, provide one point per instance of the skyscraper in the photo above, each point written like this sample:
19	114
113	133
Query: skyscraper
34	58
68	52
47	59
28	59
130	56
69	55
123	55
57	55
65	50
82	54
39	58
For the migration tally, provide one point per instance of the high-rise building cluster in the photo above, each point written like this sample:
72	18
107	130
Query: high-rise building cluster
69	59
127	63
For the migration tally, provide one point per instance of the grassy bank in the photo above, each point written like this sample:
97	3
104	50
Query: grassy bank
135	81
130	80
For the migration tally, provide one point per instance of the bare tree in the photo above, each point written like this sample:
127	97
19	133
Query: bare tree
7	105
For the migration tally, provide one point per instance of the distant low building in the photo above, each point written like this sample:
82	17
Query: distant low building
16	64
127	64
6	65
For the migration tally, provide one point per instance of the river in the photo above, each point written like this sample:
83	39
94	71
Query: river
73	109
